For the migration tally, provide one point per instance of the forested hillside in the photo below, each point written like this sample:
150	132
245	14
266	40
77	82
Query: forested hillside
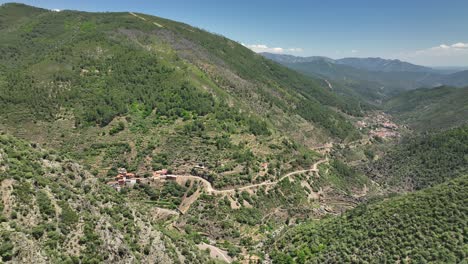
125	89
421	227
227	150
54	211
373	79
431	109
423	161
97	65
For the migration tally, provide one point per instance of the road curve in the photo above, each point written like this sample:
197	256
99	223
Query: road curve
211	190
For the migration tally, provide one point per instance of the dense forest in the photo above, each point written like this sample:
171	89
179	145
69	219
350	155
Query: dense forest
430	109
97	65
427	226
101	86
423	161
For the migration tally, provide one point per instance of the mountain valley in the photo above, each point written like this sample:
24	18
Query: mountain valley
130	138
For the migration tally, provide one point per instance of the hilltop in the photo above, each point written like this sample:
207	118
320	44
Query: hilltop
143	92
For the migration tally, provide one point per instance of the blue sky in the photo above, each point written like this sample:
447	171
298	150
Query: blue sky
425	32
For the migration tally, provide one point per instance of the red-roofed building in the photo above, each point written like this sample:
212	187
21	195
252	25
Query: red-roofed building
124	178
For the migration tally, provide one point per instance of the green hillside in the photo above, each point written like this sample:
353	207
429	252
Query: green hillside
54	211
428	226
372	79
112	90
423	161
124	89
92	64
346	79
430	109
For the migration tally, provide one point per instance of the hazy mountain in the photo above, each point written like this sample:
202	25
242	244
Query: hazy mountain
457	79
449	69
384	65
284	58
371	78
369	64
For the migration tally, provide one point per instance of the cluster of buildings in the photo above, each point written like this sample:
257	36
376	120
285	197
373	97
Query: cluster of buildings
379	125
123	179
128	179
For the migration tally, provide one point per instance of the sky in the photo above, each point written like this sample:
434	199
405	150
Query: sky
426	32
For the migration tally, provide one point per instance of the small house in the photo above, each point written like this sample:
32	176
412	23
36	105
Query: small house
124	178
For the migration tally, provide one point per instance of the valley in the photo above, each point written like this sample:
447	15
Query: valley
131	138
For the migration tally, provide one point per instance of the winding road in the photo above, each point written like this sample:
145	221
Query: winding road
211	190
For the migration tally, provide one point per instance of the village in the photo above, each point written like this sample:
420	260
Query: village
127	179
379	125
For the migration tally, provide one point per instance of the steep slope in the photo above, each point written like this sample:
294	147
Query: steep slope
430	109
422	161
54	211
457	79
346	79
426	226
125	89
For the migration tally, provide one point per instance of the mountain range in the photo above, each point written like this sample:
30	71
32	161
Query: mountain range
130	138
370	64
371	78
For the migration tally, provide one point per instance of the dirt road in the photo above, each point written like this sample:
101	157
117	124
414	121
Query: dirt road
209	188
215	252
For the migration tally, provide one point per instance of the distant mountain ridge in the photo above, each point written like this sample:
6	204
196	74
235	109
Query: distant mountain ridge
285	58
385	65
371	78
370	64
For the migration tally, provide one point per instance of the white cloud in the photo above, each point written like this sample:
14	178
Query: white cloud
456	46
264	48
444	50
354	51
460	45
444	54
442	46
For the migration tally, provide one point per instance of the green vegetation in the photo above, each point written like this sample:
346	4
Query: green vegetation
113	90
431	109
68	216
99	71
422	161
423	227
371	79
